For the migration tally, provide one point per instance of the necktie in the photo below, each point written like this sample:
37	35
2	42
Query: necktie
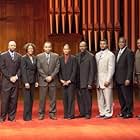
31	58
119	54
12	56
48	58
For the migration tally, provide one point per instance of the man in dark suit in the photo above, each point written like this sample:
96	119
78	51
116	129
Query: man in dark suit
67	75
48	67
86	75
124	78
10	68
29	78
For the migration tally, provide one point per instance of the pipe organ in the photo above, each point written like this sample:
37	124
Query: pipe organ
96	19
69	21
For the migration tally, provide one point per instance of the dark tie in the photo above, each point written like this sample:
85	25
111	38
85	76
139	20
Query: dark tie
12	56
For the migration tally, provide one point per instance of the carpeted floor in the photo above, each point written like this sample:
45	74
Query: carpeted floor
76	129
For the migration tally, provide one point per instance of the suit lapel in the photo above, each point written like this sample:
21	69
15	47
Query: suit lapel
45	59
51	59
121	55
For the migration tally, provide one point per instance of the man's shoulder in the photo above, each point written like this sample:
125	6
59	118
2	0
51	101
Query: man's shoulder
110	53
18	54
54	54
40	55
4	53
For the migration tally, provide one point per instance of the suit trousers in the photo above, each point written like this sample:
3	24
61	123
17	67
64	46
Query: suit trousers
125	95
68	101
105	101
9	97
28	102
51	90
84	98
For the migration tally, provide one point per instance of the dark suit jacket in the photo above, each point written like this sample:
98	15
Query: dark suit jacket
68	71
124	67
86	70
45	69
29	69
9	68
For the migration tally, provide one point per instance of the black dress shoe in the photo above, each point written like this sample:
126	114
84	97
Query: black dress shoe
70	118
12	120
41	118
128	116
120	115
87	116
2	120
107	117
80	116
27	119
53	117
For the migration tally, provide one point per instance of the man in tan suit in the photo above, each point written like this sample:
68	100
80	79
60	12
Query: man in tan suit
105	70
48	67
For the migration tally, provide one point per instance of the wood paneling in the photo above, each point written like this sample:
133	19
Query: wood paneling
30	21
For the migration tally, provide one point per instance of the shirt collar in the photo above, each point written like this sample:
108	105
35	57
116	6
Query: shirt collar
122	50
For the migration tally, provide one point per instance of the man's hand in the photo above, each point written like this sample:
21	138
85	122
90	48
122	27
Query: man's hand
68	82
27	85
13	79
49	79
106	84
127	82
89	87
36	84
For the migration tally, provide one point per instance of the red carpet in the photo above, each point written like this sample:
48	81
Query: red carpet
77	129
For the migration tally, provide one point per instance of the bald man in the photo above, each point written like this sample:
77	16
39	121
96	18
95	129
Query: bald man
48	67
85	78
10	68
124	78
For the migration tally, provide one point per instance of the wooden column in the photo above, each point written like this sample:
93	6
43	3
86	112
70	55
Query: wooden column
63	14
76	15
133	24
139	18
70	13
90	26
109	21
126	19
51	15
116	21
57	14
84	23
102	18
96	24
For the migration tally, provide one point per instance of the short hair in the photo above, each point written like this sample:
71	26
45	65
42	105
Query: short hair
26	46
123	39
12	42
83	43
47	42
104	40
67	45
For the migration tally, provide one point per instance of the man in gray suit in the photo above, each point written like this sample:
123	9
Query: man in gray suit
137	68
85	78
48	67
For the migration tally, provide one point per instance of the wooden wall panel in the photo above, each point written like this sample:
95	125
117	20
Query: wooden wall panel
29	21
